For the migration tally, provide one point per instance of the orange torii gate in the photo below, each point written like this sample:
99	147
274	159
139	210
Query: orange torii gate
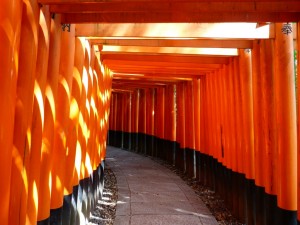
216	100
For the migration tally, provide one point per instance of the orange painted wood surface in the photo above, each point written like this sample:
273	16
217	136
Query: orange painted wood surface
10	31
285	120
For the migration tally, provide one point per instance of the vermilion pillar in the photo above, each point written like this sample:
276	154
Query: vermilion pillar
159	117
224	116
231	197
142	121
189	128
202	116
208	105
44	195
77	90
180	135
268	128
37	125
219	115
10	20
133	120
238	112
286	125
298	97
197	108
246	117
23	113
232	103
62	116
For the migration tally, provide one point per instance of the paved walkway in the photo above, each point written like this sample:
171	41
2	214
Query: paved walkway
149	193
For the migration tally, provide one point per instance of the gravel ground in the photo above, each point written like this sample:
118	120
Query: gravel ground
105	211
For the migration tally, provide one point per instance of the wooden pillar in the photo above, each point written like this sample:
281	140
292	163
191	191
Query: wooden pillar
232	199
286	125
136	118
238	115
86	166
150	93
129	120
62	108
298	108
23	113
123	119
268	129
77	93
258	111
159	115
73	160
197	104
180	135
142	121
10	29
190	129
219	111
118	119
225	116
44	193
133	120
37	125
233	148
247	125
202	116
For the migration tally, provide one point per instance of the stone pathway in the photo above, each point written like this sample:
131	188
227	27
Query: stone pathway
151	194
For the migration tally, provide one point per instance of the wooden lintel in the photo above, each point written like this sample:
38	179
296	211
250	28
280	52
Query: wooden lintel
214	31
179	17
166	58
171	50
167	72
177	6
160	64
191	42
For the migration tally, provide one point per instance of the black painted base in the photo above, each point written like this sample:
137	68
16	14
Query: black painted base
66	214
44	222
259	205
270	202
286	217
250	202
74	216
56	216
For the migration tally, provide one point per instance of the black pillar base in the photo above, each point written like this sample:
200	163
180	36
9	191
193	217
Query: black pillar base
270	202
56	216
189	162
259	200
44	222
286	217
241	198
73	215
67	205
125	140
179	159
250	202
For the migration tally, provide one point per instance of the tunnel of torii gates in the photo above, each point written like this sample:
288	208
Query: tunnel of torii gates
208	86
